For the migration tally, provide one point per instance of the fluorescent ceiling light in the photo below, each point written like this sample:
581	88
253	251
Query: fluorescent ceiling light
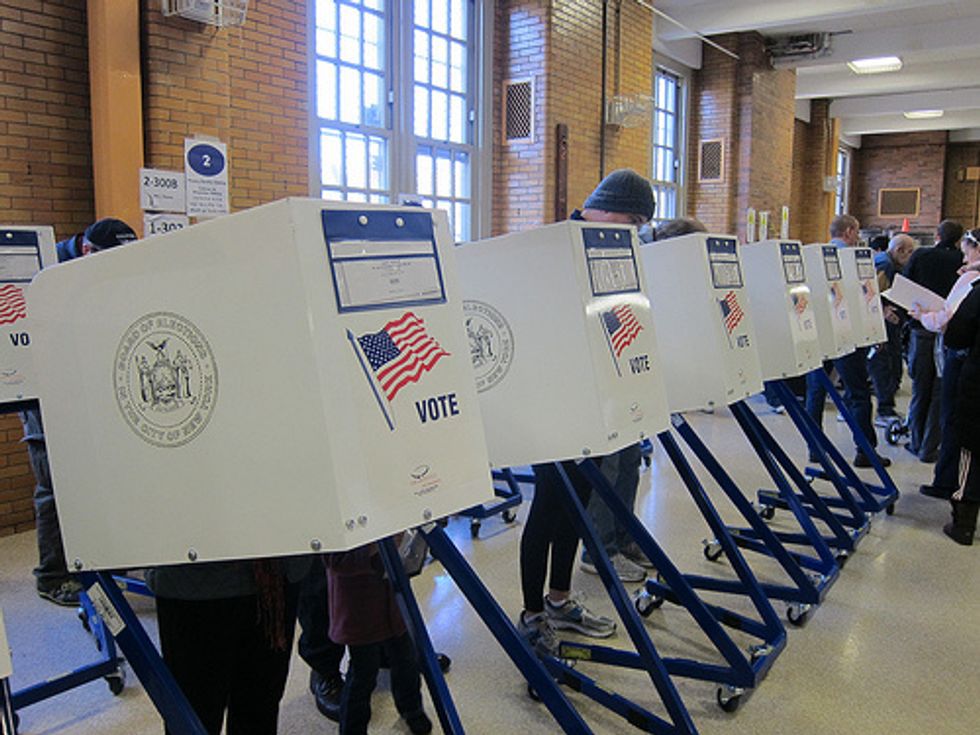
923	114
875	65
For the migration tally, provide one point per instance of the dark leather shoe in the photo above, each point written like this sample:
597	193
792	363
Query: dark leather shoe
934	491
326	691
861	460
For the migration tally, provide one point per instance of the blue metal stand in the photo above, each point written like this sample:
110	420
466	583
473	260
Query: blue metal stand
108	667
510	495
8	720
808	589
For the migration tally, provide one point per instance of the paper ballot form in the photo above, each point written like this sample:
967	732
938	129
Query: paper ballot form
907	294
861	287
24	251
824	276
775	277
700	306
290	378
564	352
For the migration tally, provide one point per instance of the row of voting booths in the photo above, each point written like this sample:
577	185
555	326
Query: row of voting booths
310	377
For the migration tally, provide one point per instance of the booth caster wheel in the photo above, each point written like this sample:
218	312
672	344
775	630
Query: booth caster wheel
729	697
767	512
474	529
894	432
798	613
759	651
712	550
842	558
890	509
83	619
646	603
509	516
116	682
532	693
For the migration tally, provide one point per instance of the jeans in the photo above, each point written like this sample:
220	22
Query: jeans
622	470
924	408
315	647
51	569
946	473
853	373
362	676
885	369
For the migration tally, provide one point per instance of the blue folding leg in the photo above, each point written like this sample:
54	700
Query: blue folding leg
8	721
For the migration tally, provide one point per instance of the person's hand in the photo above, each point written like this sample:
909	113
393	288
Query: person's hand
969	267
916	311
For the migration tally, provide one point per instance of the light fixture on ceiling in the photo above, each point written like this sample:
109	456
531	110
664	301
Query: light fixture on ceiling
875	65
922	114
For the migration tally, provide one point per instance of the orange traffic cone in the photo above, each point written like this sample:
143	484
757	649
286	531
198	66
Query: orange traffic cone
905	225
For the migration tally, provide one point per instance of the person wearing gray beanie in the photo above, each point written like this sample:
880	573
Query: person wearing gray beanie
624	191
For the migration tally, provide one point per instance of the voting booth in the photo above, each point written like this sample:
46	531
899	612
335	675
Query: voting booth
290	378
24	251
775	277
563	346
697	289
830	305
861	289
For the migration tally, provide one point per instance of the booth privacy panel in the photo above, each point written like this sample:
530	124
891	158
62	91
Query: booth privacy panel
288	378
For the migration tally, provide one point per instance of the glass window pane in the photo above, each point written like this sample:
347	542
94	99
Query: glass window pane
423	170
326	42
350	95
461	222
461	178
350	35
457	119
440	16
331	158
326	14
444	174
457	17
421	111
440	62
379	198
373	41
378	163
457	67
326	90
332	195
440	115
374	106
374	4
421	56
422	13
355	167
356	196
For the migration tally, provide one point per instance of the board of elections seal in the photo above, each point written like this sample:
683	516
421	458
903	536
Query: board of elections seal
165	379
491	343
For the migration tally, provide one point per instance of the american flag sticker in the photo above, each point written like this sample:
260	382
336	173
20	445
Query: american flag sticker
12	304
401	353
731	312
621	326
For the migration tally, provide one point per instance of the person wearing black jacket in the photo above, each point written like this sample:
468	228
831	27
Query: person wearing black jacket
936	269
963	332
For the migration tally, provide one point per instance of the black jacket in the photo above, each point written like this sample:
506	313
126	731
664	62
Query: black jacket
935	268
963	332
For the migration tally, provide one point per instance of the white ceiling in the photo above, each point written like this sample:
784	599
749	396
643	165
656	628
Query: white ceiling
938	42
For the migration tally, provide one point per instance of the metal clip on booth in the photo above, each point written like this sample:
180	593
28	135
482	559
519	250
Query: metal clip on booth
583	378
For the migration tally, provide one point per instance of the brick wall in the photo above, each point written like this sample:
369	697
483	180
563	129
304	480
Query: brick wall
45	166
561	45
899	160
961	198
814	158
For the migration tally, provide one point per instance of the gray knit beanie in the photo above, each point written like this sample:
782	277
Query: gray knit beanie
623	190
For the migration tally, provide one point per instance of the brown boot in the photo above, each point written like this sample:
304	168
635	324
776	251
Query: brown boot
964	523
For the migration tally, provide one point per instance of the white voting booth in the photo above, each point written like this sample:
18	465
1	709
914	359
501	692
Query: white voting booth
861	288
562	342
697	289
775	277
830	304
288	378
24	251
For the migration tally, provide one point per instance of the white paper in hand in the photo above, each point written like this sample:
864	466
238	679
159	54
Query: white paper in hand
907	294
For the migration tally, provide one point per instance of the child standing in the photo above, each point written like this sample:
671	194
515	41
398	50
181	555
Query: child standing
365	617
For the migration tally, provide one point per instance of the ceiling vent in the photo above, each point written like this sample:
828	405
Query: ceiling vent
801	46
220	13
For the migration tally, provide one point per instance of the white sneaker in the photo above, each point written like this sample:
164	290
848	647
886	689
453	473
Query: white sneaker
626	570
537	630
573	615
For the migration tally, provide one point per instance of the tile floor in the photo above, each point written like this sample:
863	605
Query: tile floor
894	649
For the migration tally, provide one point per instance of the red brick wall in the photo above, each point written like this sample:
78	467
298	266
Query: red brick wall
814	158
961	198
899	160
45	166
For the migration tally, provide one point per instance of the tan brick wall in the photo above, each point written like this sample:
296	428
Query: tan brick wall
814	157
961	199
898	161
45	166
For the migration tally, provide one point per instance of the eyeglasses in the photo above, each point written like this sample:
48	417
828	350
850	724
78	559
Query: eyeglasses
968	235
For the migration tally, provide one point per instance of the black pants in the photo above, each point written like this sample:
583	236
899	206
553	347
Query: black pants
549	528
218	652
315	647
946	473
362	676
969	479
924	408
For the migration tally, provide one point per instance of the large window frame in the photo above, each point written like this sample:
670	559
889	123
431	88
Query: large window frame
668	143
402	162
842	189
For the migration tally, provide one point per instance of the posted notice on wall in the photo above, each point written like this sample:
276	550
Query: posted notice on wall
162	191
158	224
206	172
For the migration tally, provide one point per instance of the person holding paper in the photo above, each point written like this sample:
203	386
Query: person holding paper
946	473
936	269
885	360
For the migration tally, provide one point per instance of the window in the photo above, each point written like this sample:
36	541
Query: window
843	187
669	121
395	103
